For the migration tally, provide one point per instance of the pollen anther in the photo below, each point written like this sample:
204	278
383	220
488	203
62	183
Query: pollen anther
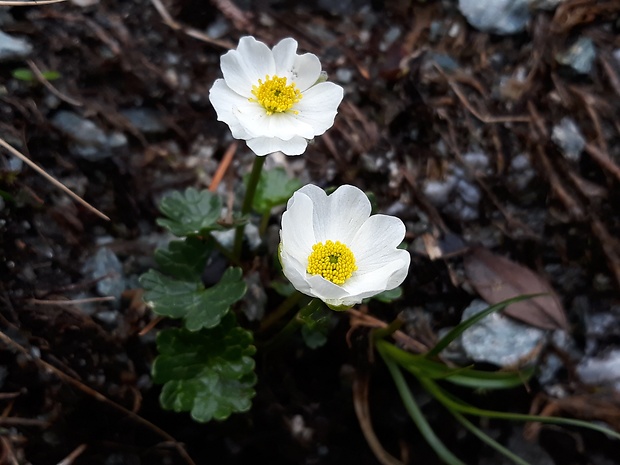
275	95
332	260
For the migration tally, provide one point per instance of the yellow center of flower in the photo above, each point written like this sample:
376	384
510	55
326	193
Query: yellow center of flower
332	260
275	96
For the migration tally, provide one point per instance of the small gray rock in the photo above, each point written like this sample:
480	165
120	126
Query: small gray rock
89	140
501	17
580	56
568	137
106	263
498	339
13	48
145	119
438	192
603	370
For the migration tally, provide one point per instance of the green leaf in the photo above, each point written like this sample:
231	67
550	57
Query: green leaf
274	188
209	373
316	320
200	307
284	289
414	411
314	338
389	296
487	439
51	75
24	74
185	260
454	404
191	213
419	365
315	315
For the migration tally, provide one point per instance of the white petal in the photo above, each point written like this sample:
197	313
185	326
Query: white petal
384	277
257	58
266	145
378	236
295	272
284	126
236	74
304	70
297	234
224	100
337	217
324	289
284	54
318	106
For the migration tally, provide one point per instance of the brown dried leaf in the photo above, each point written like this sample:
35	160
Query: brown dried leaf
497	278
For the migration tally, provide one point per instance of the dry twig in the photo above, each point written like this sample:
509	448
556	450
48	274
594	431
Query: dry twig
223	166
360	402
190	31
69	459
51	179
41	78
31	3
363	319
71	302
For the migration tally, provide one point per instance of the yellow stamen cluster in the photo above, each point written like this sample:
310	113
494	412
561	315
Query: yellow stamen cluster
275	96
332	260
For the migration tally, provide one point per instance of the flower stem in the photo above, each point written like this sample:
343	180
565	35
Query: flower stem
290	328
247	202
281	311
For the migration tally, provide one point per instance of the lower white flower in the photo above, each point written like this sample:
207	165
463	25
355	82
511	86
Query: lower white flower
332	249
274	99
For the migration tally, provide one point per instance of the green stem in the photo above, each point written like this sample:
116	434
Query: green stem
290	328
264	222
282	310
248	200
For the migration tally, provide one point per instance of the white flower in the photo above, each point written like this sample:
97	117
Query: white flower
332	249
272	98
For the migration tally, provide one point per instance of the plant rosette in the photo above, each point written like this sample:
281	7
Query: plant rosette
275	100
331	247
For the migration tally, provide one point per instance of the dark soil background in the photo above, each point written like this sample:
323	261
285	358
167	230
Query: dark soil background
510	142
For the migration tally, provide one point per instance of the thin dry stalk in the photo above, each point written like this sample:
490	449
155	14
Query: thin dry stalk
31	3
69	459
363	319
71	302
150	326
195	33
360	402
56	183
223	166
41	78
7	455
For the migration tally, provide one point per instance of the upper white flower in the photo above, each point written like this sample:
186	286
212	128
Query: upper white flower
332	249
272	98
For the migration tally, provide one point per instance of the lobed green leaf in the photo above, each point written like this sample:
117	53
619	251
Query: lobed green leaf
200	307
209	373
274	188
191	213
185	260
